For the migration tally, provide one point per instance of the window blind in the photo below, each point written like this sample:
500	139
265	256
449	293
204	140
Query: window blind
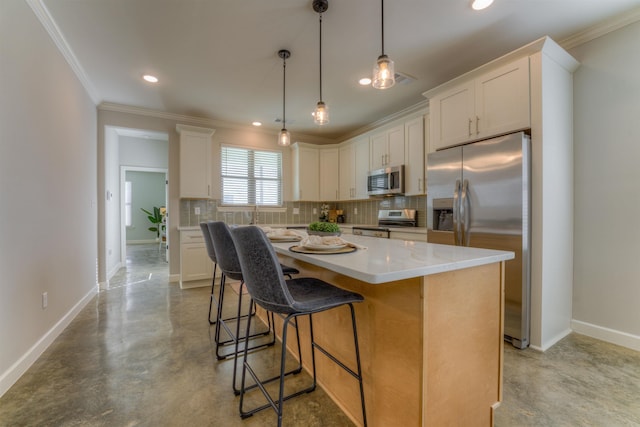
251	177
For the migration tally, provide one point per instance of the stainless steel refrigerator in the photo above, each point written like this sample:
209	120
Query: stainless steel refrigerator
478	195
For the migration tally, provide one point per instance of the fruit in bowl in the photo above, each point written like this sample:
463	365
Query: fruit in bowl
324	229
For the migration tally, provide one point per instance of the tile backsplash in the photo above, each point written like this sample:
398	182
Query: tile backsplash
367	211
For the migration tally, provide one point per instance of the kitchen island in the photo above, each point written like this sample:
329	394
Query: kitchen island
430	330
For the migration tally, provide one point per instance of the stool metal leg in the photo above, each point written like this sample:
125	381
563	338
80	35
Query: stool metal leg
221	323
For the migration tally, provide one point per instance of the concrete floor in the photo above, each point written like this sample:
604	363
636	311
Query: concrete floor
141	354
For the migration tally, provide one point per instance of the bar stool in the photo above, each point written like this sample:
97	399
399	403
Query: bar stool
292	298
212	254
227	260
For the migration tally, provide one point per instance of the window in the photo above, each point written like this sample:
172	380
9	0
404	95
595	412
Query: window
251	177
127	204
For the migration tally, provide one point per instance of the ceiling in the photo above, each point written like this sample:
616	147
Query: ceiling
218	59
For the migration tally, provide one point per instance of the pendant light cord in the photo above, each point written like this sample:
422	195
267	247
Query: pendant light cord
284	91
382	32
320	57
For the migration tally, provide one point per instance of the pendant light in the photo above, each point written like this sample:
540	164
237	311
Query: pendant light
284	139
321	113
383	71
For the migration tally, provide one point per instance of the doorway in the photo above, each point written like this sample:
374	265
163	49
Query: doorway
135	150
143	216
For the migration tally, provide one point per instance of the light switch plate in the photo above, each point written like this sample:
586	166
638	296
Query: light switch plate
197	210
296	211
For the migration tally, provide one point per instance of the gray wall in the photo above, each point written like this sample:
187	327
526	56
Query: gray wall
48	170
607	200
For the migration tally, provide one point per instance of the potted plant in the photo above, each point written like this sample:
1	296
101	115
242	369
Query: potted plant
324	229
157	218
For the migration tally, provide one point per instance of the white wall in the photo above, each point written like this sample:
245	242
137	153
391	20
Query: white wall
48	193
141	152
606	298
111	198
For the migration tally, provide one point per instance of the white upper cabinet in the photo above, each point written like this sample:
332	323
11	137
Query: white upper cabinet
347	172
306	172
329	174
195	162
354	165
387	148
494	103
414	182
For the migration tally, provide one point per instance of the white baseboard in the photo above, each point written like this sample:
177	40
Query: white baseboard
551	342
605	334
13	374
113	271
142	242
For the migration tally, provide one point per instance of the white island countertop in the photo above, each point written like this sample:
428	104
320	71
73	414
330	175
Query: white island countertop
387	260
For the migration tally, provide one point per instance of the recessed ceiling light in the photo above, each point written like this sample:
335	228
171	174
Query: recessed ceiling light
150	78
365	81
481	4
257	123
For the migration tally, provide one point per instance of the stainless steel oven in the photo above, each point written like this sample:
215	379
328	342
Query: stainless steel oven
388	218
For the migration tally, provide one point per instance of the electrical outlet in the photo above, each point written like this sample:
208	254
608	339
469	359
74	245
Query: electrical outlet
355	211
315	211
296	211
197	210
45	300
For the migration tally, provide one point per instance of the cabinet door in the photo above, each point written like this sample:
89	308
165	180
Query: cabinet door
502	100
414	161
395	156
195	165
306	173
379	146
361	164
347	172
329	174
452	116
195	264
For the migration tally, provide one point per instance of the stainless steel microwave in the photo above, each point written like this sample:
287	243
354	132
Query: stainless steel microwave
386	181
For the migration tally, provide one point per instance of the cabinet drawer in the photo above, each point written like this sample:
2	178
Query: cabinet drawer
191	237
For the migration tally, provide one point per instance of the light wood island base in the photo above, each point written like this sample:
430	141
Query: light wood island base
431	346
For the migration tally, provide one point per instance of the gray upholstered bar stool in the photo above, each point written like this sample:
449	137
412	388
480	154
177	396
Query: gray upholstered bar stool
212	254
291	298
227	260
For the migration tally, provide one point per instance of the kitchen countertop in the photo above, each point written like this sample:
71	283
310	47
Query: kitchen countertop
417	230
387	260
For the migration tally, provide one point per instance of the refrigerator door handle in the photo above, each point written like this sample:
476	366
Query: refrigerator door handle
456	214
465	235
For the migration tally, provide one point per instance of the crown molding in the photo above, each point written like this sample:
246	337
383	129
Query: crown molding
600	29
43	15
201	121
421	107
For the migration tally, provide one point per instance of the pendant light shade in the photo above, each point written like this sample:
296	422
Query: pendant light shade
321	113
383	71
284	138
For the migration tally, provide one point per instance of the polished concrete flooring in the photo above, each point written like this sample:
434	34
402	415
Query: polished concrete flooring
142	354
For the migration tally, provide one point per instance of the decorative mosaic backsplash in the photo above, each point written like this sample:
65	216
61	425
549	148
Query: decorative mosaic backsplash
367	211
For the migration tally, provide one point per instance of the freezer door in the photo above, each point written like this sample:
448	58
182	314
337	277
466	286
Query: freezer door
444	170
495	213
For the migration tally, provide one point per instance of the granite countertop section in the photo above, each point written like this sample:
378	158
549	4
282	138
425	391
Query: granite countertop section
387	260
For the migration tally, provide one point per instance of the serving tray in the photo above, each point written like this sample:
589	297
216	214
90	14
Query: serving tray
303	250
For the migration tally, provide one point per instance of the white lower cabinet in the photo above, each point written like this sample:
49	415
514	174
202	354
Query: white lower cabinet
196	268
